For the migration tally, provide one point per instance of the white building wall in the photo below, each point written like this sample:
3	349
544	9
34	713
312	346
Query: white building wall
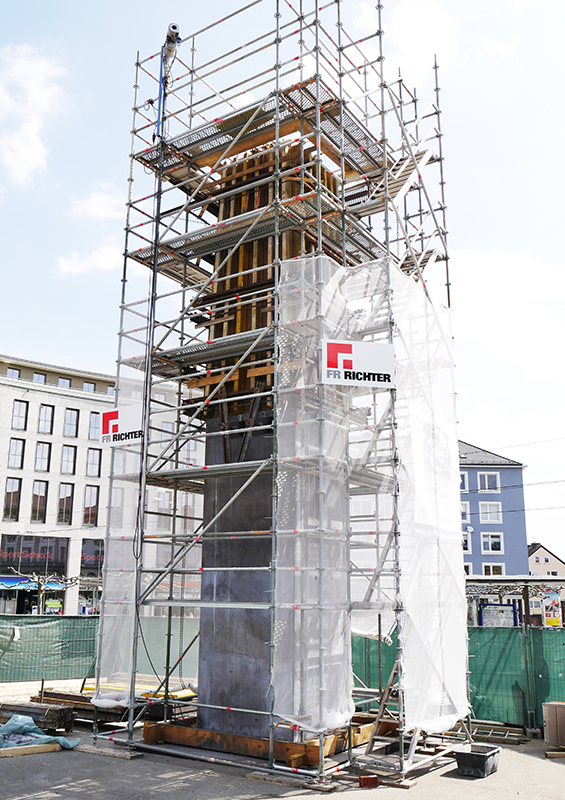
36	394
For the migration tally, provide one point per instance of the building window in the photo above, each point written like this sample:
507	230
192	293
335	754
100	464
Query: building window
92	558
91	505
39	501
39	377
546	559
465	512
466	542
464	482
489	481
65	512
119	463
111	391
12	372
93	458
136	394
69	460
164	511
42	456
87	386
534	572
71	422
16	453
492	543
46	415
490	512
536	559
29	554
117	507
493	569
468	569
19	415
552	572
12	499
94	426
65	383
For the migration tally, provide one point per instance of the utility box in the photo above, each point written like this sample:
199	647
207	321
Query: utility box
554	724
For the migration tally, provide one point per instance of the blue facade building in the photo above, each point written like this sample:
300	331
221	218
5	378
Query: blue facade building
492	513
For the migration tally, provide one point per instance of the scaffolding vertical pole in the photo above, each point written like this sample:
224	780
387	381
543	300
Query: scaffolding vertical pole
276	260
319	290
123	282
442	179
147	382
395	462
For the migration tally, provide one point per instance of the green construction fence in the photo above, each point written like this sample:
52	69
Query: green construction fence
47	647
512	673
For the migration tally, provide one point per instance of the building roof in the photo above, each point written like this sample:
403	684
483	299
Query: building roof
535	546
472	456
55	368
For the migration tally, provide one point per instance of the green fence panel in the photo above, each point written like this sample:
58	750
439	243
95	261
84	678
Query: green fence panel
50	647
548	667
497	680
365	660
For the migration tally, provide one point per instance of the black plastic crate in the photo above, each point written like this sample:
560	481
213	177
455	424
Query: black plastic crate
477	760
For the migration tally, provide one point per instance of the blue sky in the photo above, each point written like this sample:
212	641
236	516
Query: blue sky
66	75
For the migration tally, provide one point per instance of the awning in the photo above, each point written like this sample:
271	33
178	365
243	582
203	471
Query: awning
13	582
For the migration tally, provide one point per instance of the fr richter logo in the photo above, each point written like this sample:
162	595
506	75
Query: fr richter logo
358	364
120	425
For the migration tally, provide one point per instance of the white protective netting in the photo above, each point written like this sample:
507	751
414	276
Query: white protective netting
312	657
321	300
432	583
123	560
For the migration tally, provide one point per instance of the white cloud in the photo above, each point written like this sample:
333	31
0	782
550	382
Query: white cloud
502	50
105	258
29	94
103	203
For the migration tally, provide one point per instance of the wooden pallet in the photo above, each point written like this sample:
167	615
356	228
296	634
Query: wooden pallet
81	705
295	754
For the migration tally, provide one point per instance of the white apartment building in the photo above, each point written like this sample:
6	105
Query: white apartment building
54	481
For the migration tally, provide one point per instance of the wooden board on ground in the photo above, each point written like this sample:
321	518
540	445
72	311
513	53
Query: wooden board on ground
29	749
295	754
555	753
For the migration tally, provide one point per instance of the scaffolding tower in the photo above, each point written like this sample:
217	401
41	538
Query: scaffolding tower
258	513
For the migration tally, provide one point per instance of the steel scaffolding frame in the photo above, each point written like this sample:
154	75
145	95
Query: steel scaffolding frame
228	190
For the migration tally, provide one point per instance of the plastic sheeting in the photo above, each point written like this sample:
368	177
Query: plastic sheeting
125	556
335	441
432	584
312	654
21	730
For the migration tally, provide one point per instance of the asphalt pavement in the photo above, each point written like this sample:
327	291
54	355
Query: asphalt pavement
85	775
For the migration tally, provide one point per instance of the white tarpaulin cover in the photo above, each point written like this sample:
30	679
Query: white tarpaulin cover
432	583
312	658
320	300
